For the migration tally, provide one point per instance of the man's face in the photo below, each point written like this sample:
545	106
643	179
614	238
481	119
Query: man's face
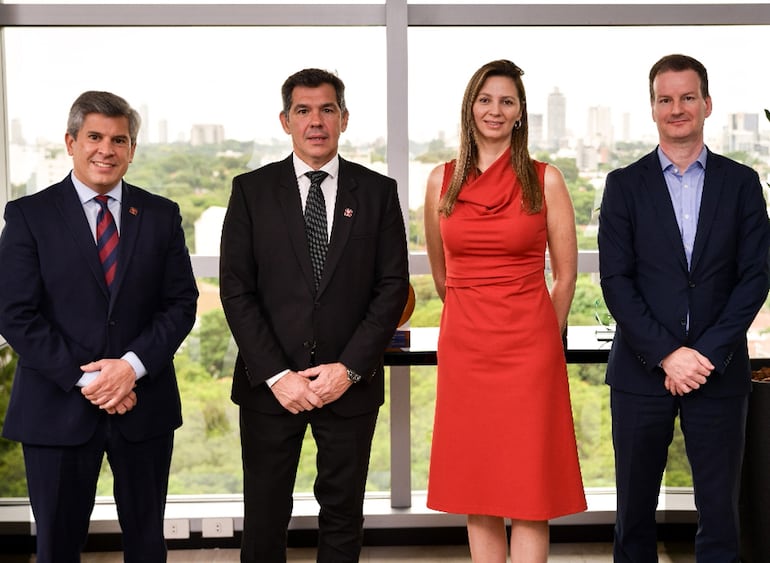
679	109
101	152
315	123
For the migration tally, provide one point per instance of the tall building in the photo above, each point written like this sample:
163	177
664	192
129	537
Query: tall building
557	119
207	134
163	131
625	134
144	130
741	132
535	130
600	132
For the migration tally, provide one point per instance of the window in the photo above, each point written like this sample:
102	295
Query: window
208	86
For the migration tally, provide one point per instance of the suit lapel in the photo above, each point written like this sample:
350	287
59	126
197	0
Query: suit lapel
130	222
291	206
74	219
713	183
664	209
344	215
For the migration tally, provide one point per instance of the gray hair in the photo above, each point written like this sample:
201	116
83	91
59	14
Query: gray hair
104	103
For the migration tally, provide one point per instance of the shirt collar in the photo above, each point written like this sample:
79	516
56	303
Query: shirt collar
665	162
87	194
332	167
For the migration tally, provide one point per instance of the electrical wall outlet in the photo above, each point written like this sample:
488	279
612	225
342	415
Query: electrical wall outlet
217	527
176	529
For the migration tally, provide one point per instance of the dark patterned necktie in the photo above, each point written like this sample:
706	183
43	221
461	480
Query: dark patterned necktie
315	224
106	239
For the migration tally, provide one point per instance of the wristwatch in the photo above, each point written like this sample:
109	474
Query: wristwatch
353	377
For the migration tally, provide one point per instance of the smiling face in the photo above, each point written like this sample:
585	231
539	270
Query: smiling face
496	108
679	109
315	123
101	152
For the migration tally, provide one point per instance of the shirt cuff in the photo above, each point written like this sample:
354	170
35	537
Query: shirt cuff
87	378
273	380
136	363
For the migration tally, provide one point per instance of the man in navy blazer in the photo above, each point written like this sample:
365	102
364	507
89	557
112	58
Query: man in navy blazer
95	371
310	348
683	257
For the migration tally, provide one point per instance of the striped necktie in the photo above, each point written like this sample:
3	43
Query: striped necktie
315	224
106	239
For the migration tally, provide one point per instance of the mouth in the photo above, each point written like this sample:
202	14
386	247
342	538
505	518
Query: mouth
105	165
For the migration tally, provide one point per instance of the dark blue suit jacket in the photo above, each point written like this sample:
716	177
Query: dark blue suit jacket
649	290
56	312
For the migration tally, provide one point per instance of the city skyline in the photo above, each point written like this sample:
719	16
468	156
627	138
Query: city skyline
218	76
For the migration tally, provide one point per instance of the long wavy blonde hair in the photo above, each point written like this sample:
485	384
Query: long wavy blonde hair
467	156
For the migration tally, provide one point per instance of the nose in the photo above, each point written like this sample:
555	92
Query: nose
105	145
315	117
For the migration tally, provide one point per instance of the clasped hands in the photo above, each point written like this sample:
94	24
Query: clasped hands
686	370
113	388
312	388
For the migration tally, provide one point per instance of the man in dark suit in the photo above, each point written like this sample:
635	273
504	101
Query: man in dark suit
96	294
311	322
683	257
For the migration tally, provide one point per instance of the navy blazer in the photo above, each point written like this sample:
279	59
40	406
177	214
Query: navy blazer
57	314
267	287
649	290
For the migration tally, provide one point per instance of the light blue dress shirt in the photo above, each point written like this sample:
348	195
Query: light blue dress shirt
686	191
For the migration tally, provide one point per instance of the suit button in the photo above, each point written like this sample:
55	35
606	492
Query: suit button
691	284
112	323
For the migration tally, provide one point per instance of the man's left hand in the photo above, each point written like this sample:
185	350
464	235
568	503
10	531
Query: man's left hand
328	381
110	389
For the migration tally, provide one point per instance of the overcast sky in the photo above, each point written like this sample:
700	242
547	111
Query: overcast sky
232	76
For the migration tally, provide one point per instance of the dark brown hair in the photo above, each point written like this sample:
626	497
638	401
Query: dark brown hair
679	63
467	157
312	78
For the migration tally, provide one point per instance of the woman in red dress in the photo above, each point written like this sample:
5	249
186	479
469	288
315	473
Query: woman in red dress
503	437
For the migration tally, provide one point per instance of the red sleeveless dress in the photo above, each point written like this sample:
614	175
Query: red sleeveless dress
503	436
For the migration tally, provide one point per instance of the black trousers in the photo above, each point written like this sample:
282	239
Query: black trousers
271	446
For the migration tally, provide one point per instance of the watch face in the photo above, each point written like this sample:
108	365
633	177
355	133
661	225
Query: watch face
353	376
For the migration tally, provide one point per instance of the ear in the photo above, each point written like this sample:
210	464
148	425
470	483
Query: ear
284	122
708	106
344	124
69	140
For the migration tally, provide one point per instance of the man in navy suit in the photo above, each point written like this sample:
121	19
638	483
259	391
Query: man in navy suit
311	335
95	327
683	257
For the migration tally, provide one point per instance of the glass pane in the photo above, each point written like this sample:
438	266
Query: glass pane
602	93
210	108
209	103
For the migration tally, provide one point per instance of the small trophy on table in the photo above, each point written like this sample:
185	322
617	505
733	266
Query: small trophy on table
401	337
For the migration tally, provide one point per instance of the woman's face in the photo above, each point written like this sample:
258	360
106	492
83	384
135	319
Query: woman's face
496	108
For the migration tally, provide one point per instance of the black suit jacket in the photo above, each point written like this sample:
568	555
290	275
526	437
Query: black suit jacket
650	291
56	312
267	288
